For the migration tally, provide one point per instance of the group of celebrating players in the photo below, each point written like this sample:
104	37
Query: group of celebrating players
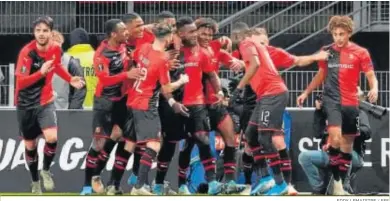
158	84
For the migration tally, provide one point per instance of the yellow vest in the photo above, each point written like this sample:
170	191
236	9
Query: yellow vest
85	52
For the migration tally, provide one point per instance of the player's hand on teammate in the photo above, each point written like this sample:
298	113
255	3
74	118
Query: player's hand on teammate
236	65
373	95
135	73
173	64
322	55
220	97
47	67
301	98
184	79
180	109
77	82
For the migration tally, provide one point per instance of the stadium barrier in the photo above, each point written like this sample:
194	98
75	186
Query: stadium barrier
75	137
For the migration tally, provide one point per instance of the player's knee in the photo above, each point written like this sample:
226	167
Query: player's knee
50	135
304	158
251	135
154	145
202	138
98	143
30	144
130	146
116	133
278	141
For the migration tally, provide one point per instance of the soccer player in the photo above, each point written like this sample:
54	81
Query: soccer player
281	59
111	65
135	25
192	106
36	65
220	119
340	75
267	117
143	101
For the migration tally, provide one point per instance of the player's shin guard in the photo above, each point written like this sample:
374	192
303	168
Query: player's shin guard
49	152
104	155
247	161
344	164
274	164
121	158
334	156
259	159
208	161
91	164
184	162
163	159
137	157
145	165
229	163
32	162
285	163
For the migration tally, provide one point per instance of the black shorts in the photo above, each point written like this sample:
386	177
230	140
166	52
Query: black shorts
267	116
33	121
147	125
346	117
217	114
199	121
107	113
172	124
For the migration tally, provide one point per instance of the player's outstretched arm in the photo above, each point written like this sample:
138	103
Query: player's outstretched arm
171	87
302	61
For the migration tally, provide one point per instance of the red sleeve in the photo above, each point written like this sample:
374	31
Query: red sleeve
58	69
215	45
247	50
366	62
281	58
164	72
23	79
101	68
225	58
236	54
206	63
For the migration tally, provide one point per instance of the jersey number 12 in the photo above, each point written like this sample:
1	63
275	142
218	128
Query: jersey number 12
137	83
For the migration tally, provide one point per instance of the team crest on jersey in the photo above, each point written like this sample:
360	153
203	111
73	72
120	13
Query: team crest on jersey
100	67
351	56
23	70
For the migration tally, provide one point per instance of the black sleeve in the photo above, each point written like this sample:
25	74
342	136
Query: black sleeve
76	96
364	123
319	123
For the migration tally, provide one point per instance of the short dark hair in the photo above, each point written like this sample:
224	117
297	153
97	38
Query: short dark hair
45	20
182	21
129	17
240	26
164	15
207	23
162	30
111	25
